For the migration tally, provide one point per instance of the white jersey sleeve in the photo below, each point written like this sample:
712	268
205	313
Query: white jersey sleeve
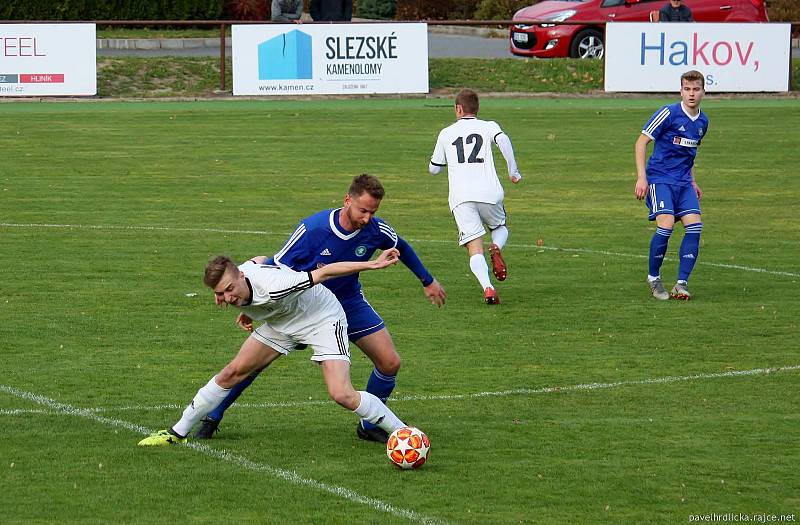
505	147
438	159
273	283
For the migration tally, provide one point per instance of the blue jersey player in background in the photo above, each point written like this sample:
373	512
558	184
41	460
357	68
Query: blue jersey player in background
668	185
349	233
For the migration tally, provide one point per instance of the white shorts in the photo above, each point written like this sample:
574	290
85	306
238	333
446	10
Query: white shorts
471	216
328	343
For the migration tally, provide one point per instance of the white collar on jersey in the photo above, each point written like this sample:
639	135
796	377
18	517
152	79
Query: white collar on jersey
337	229
688	114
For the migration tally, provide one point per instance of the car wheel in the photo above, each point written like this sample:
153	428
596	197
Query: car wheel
587	44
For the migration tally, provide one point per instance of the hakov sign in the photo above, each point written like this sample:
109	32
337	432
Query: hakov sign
733	57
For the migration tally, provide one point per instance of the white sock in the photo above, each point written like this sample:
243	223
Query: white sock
500	236
206	400
373	410
477	263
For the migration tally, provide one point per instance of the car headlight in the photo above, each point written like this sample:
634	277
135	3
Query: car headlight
523	26
561	16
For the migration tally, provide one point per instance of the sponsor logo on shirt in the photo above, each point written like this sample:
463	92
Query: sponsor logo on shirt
325	252
683	141
681	128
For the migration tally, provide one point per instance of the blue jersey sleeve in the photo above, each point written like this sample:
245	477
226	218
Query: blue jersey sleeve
390	239
409	257
295	250
657	123
386	236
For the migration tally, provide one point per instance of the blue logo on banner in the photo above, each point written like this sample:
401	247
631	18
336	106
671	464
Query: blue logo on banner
285	57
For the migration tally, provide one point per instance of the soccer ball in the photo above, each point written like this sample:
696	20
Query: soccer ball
408	447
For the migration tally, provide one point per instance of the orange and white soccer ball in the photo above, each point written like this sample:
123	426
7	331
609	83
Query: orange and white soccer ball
408	447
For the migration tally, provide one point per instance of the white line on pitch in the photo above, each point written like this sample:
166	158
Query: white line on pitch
286	475
432	241
615	254
599	386
474	395
137	228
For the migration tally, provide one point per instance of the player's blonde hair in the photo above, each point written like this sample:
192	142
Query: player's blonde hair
468	100
216	268
366	183
693	76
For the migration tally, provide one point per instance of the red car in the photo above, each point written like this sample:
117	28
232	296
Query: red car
585	40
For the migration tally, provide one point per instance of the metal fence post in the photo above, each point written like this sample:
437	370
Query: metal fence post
222	57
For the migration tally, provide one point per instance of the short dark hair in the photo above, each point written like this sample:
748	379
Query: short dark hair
693	76
366	183
216	268
468	100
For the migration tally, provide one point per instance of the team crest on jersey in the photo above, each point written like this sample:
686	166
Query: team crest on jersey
361	250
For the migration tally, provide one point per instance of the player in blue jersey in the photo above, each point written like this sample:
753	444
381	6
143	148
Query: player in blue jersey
668	184
349	233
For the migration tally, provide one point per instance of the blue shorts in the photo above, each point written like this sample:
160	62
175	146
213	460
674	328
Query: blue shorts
671	199
362	319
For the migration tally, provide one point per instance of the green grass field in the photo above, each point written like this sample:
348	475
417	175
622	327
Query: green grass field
579	399
193	77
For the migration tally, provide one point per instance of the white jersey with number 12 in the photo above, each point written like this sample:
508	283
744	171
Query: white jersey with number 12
465	147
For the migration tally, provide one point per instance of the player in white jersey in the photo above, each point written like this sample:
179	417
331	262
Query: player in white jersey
476	195
295	313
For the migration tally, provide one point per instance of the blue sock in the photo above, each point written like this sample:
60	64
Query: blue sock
218	413
380	386
658	247
689	248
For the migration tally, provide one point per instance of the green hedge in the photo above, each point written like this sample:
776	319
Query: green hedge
439	10
111	10
778	10
376	9
460	9
784	11
500	9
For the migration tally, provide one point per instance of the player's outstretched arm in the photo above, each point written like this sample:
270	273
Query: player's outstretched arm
433	290
438	159
329	271
504	144
697	189
435	293
640	151
412	261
